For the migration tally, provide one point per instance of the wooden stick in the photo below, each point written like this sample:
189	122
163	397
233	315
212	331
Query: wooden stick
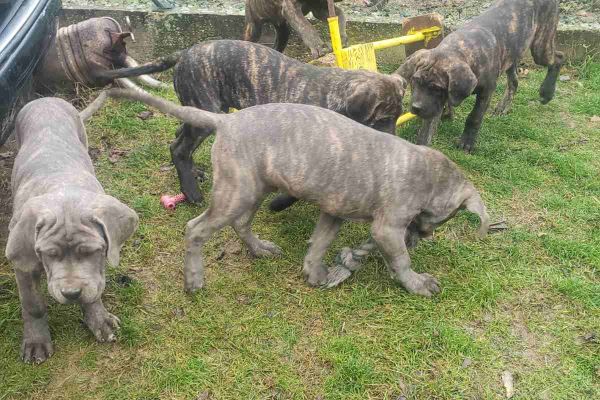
330	8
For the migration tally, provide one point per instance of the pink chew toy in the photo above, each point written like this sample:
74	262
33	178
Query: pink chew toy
170	202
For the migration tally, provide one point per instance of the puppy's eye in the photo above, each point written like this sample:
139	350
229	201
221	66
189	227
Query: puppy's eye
86	250
51	252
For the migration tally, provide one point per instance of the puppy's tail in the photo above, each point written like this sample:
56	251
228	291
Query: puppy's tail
158	65
476	206
189	115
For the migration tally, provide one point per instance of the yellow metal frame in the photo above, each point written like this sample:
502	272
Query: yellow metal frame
362	56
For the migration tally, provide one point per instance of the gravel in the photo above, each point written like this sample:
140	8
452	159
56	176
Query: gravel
575	14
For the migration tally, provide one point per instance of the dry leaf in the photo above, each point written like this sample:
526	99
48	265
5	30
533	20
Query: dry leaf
144	115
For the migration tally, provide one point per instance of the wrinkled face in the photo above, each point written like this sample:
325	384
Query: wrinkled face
429	93
74	260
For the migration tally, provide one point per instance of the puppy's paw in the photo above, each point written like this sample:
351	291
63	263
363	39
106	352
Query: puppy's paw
36	350
265	248
422	284
103	325
500	110
320	50
466	145
193	195
191	286
316	276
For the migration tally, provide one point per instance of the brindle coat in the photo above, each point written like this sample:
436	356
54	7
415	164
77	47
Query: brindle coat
471	59
349	170
285	13
220	74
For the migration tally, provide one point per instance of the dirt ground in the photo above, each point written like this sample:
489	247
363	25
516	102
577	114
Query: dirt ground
575	14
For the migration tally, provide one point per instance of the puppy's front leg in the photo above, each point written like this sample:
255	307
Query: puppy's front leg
474	120
37	343
324	233
390	239
322	14
100	322
292	12
428	129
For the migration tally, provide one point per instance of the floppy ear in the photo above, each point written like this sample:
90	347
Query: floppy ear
24	228
475	205
400	84
361	102
461	83
118	223
411	64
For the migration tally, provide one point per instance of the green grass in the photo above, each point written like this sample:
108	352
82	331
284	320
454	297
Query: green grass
520	300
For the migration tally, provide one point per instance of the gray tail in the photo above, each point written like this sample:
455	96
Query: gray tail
190	115
158	65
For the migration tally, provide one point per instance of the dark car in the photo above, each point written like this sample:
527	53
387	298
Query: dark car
26	29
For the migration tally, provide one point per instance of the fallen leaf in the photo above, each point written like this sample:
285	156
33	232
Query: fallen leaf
7	154
509	383
203	396
564	78
144	115
115	155
595	118
166	168
467	362
498	226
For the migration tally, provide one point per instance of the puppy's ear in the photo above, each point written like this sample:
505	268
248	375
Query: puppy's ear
24	228
361	101
412	64
475	205
118	223
400	84
461	83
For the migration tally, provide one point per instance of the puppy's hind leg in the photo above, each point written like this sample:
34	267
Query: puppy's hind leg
390	239
243	228
548	87
37	343
182	149
512	82
325	232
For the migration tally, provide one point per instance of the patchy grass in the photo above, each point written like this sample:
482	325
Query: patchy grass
525	300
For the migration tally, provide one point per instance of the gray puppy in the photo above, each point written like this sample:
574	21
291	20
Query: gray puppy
349	170
63	224
471	59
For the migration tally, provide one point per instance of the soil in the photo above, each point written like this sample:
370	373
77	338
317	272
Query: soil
575	14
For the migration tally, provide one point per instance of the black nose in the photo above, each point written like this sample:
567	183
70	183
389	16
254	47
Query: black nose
416	109
71	293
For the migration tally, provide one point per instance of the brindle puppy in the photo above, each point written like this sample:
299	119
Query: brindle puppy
349	170
220	74
285	13
471	59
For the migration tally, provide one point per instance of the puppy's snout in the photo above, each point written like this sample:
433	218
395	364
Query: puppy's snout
416	109
71	293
